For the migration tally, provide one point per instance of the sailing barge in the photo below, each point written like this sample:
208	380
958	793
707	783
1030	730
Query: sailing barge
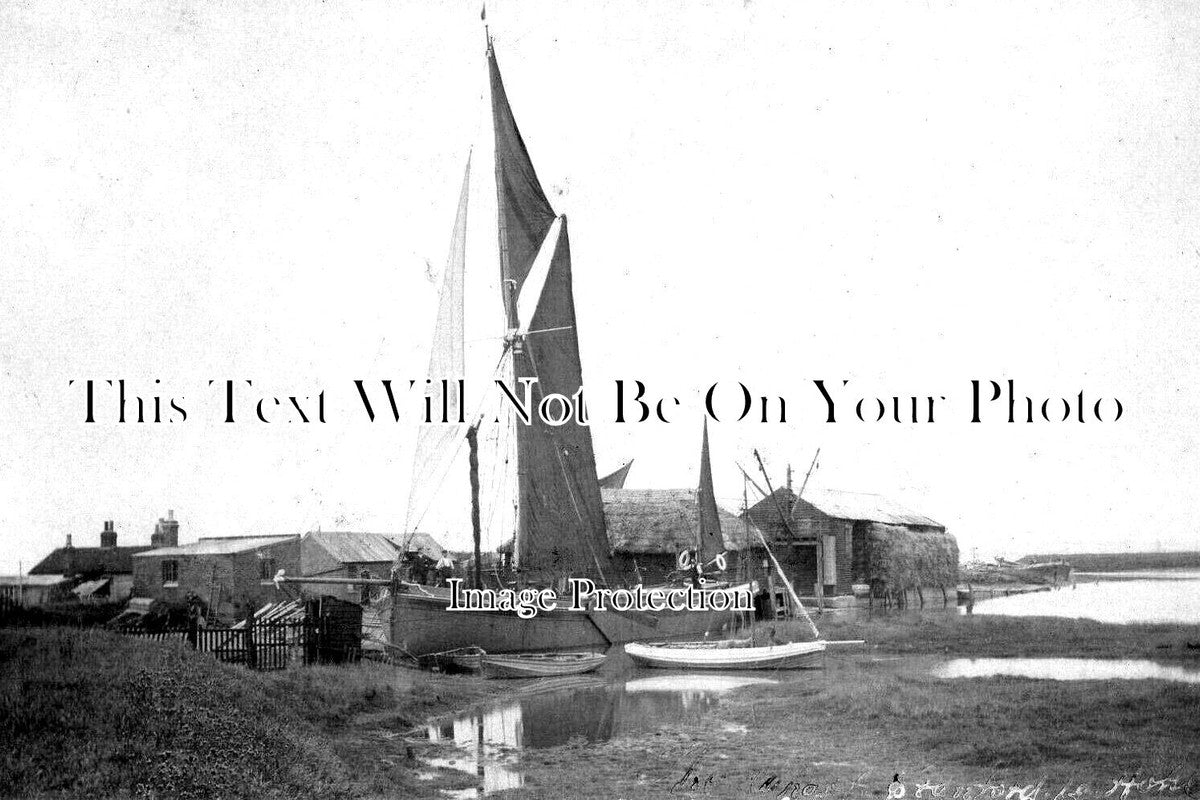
508	280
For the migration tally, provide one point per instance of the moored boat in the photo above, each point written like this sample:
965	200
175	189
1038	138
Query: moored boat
539	665
530	480
725	655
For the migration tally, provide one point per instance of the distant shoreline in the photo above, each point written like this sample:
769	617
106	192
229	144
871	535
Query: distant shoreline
1120	562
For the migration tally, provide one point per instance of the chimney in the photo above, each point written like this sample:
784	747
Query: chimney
69	545
108	536
166	532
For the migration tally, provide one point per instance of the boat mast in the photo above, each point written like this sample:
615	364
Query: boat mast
473	461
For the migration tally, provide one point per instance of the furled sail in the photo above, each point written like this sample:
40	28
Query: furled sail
711	540
560	527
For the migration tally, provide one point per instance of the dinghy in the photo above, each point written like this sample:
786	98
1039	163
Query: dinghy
522	665
719	655
539	665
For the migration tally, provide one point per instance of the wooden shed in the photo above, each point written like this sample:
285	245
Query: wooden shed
863	539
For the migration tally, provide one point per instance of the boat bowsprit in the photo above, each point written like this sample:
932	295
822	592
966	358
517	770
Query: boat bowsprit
725	655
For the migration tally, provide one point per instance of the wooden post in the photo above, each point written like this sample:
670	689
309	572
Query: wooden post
251	654
473	459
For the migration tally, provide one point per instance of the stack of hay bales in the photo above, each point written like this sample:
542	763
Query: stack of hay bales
900	557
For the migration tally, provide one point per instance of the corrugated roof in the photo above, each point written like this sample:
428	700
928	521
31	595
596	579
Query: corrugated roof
870	507
349	547
420	542
664	521
32	580
219	546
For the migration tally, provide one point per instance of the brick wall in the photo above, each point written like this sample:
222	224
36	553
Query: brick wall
238	577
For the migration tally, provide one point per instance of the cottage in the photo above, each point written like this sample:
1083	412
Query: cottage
233	575
863	539
106	570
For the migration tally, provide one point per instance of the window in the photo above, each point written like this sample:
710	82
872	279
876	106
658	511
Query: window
170	573
267	570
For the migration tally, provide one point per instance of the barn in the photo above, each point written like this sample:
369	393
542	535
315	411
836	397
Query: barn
861	539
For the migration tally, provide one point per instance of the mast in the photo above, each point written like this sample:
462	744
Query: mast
473	462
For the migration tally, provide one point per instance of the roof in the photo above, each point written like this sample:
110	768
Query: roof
871	507
420	542
89	560
220	546
664	521
32	580
350	547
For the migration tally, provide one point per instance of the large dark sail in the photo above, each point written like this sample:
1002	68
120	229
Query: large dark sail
560	518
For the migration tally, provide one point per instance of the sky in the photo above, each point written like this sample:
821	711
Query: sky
905	196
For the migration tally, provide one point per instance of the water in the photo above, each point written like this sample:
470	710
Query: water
556	711
1159	596
1066	669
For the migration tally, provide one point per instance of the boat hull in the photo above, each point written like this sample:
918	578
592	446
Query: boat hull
796	655
526	665
421	625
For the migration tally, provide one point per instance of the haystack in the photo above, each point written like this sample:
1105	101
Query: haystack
900	557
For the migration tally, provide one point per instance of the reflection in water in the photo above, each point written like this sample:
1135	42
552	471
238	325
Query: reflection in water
1066	669
1167	596
553	712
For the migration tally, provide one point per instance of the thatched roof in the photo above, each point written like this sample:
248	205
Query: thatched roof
900	557
664	521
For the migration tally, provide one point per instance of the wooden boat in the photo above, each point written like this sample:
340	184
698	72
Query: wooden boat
517	665
530	481
539	665
727	655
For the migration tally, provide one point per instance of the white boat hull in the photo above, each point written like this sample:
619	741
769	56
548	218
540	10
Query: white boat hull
705	655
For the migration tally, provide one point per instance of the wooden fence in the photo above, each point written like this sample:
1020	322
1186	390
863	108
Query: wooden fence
265	646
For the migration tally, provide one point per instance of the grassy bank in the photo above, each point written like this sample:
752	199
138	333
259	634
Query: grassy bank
93	714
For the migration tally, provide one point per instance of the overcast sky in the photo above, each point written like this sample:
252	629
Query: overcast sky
907	196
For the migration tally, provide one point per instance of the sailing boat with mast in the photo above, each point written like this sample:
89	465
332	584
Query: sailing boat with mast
508	282
730	653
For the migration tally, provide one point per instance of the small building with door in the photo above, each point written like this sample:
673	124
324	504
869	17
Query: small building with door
855	538
232	575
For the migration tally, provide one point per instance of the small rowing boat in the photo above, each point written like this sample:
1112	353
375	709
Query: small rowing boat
522	665
727	655
538	665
